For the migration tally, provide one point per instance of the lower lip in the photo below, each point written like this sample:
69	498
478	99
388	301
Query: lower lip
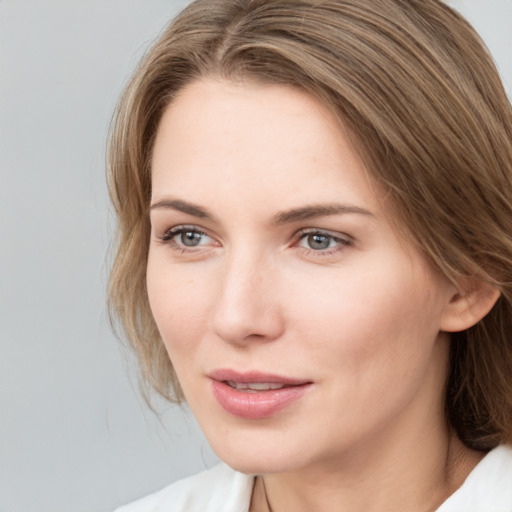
256	405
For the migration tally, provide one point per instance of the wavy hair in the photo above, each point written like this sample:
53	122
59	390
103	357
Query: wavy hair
423	101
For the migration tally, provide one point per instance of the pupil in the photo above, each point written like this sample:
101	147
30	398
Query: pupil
318	241
190	238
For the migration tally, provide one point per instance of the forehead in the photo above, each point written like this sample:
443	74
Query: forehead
261	142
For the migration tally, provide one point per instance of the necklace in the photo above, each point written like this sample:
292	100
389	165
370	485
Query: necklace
269	508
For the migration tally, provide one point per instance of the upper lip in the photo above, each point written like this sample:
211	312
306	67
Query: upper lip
254	377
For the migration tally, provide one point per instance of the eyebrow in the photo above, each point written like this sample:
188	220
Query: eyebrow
185	207
314	211
284	217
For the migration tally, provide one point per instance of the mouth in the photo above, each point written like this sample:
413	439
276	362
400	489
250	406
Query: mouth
253	387
255	395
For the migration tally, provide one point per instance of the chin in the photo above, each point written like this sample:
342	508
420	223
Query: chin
257	456
260	465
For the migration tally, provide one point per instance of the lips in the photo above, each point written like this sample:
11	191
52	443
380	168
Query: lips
255	395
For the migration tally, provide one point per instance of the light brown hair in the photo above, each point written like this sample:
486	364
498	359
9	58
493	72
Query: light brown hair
421	96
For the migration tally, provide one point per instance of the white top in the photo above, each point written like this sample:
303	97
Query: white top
488	488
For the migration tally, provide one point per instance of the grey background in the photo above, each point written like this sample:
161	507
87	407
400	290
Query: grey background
74	433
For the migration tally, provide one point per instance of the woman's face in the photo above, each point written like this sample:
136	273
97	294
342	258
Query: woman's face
299	325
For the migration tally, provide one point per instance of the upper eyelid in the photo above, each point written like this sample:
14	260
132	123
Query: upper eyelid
176	230
182	227
327	232
320	231
191	227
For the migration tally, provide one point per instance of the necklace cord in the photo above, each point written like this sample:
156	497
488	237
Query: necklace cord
267	503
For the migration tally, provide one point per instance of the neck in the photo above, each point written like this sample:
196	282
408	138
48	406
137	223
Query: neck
378	481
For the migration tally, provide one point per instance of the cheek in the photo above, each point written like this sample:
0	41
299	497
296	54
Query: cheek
372	340
180	306
379	319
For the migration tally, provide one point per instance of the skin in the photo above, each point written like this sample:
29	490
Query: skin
362	319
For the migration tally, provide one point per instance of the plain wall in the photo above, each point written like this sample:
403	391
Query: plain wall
74	433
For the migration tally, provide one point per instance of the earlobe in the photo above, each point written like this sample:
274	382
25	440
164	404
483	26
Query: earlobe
467	307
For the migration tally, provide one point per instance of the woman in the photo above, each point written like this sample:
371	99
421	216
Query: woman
315	248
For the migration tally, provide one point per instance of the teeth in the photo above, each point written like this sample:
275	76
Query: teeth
253	387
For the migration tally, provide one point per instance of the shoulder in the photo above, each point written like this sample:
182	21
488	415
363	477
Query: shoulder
219	489
488	488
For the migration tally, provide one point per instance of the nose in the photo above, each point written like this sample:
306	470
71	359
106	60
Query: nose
248	306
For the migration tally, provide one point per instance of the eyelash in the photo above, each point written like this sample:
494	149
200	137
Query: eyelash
341	242
169	236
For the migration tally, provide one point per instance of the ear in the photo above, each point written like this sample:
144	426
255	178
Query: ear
469	305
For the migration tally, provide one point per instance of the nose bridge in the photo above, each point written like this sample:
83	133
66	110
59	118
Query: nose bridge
247	306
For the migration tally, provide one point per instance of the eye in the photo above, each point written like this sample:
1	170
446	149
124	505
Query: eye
318	242
321	241
186	237
190	238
